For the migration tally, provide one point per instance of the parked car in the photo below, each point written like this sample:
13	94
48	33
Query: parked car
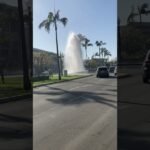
146	68
113	71
102	72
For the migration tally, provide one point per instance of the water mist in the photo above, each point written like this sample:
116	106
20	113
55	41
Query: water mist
73	61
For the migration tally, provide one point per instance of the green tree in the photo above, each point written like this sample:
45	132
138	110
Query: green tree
99	44
54	19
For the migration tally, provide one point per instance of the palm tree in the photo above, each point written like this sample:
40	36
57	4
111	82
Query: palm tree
85	44
103	50
99	44
106	53
81	37
131	16
142	10
53	19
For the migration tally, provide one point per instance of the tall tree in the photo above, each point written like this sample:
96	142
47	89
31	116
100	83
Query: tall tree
99	44
106	53
54	19
132	15
86	43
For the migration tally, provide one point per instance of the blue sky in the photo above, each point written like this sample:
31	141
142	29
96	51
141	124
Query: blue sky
96	19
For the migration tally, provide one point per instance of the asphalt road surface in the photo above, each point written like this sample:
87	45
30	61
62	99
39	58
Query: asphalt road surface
76	115
133	111
16	125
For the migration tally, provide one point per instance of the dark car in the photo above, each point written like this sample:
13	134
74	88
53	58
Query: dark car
146	68
102	72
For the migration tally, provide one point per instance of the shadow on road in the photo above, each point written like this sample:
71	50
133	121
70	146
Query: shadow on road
8	118
17	127
10	133
78	97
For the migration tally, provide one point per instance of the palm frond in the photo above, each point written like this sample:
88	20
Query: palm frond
131	17
87	40
97	43
57	15
81	37
42	24
64	21
47	26
90	44
144	6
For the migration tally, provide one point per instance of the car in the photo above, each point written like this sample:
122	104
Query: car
146	68
45	73
102	72
113	71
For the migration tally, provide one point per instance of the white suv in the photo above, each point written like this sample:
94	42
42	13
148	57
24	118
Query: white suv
113	71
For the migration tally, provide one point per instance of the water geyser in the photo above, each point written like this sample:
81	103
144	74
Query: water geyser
73	61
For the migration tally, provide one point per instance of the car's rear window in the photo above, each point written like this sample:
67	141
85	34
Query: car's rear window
112	69
102	69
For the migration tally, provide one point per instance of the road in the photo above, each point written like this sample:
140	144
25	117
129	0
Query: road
76	115
133	111
16	125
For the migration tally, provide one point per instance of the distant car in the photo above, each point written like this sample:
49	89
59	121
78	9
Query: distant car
102	72
146	68
45	73
113	71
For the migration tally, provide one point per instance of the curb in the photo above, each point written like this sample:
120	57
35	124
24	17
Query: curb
61	81
123	76
15	98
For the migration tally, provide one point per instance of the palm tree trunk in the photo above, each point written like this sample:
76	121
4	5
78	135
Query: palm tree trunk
59	75
26	81
99	56
86	52
140	14
140	18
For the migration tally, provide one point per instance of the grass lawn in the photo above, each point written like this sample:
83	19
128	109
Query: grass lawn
13	86
54	79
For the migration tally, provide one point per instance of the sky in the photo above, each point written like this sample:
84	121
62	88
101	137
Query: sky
96	19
